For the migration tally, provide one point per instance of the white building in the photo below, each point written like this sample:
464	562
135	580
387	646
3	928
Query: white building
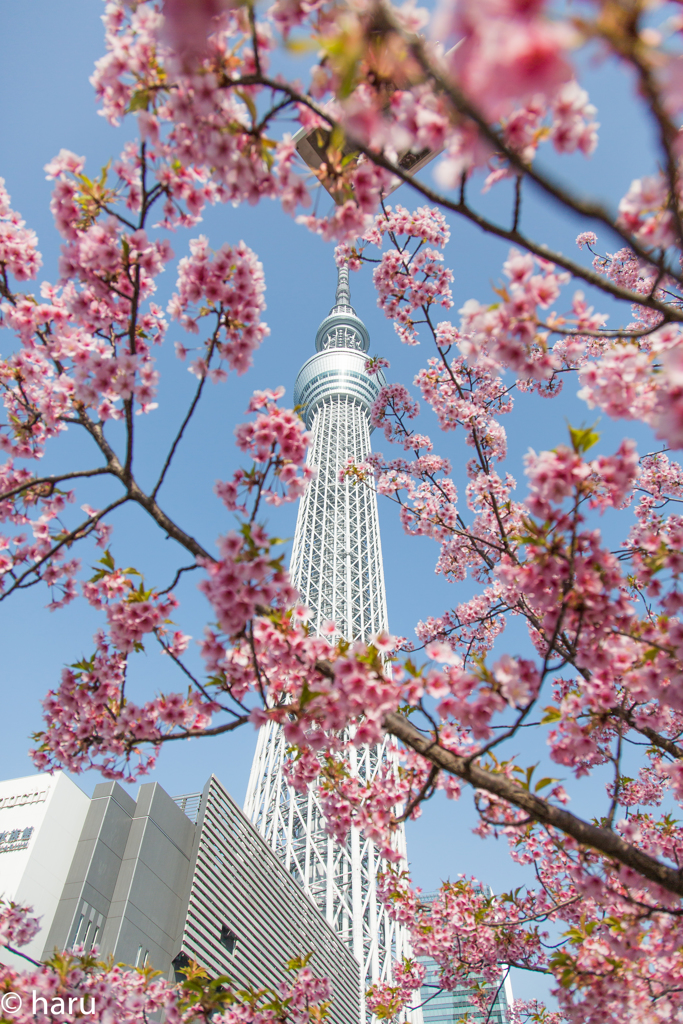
157	882
41	819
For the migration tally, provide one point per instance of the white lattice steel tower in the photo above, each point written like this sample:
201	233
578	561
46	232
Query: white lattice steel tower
337	569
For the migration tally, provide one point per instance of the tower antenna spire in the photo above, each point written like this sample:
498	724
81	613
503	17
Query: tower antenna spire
343	296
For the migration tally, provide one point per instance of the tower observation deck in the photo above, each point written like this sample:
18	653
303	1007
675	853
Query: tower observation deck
337	568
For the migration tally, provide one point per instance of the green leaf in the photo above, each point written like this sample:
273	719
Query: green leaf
104	173
583	438
552	714
107	560
301	45
543	783
85	664
299	962
336	140
308	695
246	98
140	101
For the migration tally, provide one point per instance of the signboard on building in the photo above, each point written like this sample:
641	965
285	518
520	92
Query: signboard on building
16	839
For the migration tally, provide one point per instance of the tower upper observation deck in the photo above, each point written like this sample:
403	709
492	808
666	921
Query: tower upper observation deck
338	366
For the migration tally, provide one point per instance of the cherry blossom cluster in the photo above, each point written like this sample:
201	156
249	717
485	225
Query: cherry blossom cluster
91	724
19	254
651	375
370	806
351	694
76	347
387	1000
391	408
407	285
278	443
243	577
229	285
90	721
18	554
512	334
542	559
77	988
508	55
17	927
203	139
85	352
644	211
468	397
468	930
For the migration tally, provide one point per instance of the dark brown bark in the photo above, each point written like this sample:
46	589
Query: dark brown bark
604	840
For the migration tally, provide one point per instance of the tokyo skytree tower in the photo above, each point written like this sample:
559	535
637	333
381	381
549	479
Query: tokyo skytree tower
337	568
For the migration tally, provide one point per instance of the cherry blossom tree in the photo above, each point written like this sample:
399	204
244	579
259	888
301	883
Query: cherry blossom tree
600	679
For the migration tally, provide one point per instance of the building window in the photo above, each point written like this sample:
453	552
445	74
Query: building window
78	928
180	964
228	938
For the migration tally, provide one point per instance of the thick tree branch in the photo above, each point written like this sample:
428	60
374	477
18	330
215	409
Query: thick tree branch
603	840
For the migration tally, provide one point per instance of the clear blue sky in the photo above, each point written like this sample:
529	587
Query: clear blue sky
48	53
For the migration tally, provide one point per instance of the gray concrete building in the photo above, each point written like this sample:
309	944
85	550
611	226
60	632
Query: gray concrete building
126	886
162	881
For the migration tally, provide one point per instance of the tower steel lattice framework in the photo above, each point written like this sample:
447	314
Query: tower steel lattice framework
337	568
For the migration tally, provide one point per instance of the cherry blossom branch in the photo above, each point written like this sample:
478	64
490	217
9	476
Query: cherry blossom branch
79	533
463	105
190	412
603	840
496	994
185	568
422	795
488	226
166	523
195	682
218	730
617	332
24	956
251	14
135	493
50	481
645	730
628	45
